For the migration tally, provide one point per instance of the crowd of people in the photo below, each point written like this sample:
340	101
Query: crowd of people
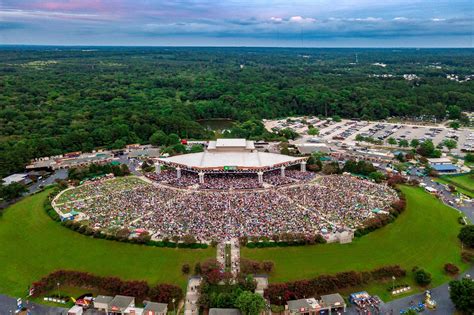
345	200
233	180
331	203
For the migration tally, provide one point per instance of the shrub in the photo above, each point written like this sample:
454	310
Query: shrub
466	235
107	285
422	277
186	269
451	269
467	257
267	266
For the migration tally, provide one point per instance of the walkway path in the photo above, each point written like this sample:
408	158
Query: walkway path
192	296
235	256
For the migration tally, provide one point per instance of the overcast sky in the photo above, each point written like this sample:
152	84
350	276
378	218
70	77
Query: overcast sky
303	23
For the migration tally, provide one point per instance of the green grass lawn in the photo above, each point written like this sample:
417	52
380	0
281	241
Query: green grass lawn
464	183
466	180
425	235
32	245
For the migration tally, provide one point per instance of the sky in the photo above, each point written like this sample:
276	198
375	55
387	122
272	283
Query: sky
278	23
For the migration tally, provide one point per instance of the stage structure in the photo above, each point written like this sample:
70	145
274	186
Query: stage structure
230	156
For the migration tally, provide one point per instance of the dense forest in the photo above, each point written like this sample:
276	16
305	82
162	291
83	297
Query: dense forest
59	99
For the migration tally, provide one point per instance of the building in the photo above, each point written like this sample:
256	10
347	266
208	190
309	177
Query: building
230	156
326	305
17	178
439	161
445	168
75	310
101	302
120	304
153	308
224	311
310	147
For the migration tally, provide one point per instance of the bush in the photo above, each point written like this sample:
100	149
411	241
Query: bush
451	269
422	277
107	285
186	269
326	284
466	235
467	256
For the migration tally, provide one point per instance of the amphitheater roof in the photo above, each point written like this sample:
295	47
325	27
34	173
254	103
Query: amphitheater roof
240	160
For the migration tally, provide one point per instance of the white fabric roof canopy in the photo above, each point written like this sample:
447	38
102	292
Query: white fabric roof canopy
217	160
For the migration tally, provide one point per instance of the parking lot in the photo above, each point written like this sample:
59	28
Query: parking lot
346	131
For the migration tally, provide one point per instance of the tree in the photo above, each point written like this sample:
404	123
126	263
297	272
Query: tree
454	112
403	143
427	149
461	293
336	118
250	303
158	138
414	143
12	191
422	277
392	141
331	168
313	131
455	125
196	148
450	144
466	235
377	176
469	158
173	139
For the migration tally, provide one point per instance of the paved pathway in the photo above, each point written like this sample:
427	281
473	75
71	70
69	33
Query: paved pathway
192	296
8	306
235	256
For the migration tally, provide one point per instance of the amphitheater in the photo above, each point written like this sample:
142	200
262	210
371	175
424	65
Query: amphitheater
257	194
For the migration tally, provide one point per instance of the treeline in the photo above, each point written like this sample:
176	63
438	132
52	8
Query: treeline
109	97
141	290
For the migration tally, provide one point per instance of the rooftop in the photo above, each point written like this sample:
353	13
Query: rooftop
156	307
121	302
103	299
14	178
332	300
224	311
303	304
243	160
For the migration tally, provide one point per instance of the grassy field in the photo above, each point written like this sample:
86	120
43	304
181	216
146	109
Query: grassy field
464	183
425	235
32	245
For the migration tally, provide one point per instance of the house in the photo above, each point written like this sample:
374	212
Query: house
75	310
224	311
302	306
153	308
333	302
101	302
120	303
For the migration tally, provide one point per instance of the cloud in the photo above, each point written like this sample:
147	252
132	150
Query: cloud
300	19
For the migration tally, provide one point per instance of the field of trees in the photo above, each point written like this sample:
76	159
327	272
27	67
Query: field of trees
58	99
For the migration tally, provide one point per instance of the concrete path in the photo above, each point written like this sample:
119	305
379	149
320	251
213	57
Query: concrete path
8	306
235	256
192	296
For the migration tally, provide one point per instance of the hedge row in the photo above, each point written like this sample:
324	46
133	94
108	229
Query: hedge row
163	293
279	293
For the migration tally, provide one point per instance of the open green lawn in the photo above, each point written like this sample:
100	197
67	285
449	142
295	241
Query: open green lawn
464	183
466	180
425	235
32	245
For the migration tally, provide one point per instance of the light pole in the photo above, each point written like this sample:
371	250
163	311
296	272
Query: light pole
58	290
279	298
174	307
393	283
